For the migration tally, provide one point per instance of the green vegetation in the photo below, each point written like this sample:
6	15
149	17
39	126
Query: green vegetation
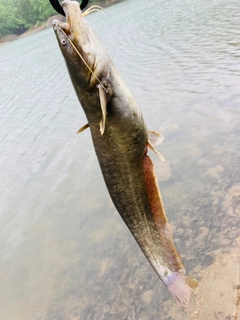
16	16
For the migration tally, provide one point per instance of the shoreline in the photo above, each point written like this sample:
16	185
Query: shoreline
45	25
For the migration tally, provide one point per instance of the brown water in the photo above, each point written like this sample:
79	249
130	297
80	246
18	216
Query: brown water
65	253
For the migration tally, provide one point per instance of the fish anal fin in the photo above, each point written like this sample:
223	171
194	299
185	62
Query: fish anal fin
180	285
155	197
150	145
160	217
83	128
182	288
155	137
103	103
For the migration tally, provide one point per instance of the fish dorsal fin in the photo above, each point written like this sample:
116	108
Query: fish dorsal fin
103	103
155	151
83	128
155	137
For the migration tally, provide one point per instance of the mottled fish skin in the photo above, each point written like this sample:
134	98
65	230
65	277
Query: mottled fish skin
121	148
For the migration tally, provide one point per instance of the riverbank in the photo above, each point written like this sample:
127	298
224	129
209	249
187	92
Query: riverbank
45	24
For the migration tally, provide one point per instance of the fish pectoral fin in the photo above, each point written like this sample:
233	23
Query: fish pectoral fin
155	151
83	128
155	137
103	103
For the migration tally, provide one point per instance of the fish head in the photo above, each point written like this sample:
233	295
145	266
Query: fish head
78	45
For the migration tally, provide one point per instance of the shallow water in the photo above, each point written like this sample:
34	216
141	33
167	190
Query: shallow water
65	252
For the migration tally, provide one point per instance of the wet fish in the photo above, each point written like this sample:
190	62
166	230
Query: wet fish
121	141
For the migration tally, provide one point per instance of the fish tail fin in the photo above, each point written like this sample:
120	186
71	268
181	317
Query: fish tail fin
182	288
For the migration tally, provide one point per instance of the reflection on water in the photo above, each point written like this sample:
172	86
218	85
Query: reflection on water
65	252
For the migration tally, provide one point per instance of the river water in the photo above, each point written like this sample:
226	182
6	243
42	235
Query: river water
65	252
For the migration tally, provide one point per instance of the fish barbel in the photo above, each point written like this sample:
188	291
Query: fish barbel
121	141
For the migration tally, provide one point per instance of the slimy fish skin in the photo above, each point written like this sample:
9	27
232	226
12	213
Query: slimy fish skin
121	141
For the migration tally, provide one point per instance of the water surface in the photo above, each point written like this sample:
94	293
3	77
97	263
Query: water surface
65	252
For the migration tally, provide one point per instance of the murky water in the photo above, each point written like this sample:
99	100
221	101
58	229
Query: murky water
65	252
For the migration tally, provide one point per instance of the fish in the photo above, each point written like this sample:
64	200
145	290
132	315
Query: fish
121	141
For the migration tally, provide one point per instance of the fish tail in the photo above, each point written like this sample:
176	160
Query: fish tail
182	287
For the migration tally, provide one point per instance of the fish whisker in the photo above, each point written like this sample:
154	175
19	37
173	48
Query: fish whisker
83	60
92	9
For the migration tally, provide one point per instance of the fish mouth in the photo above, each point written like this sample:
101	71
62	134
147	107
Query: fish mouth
73	16
73	23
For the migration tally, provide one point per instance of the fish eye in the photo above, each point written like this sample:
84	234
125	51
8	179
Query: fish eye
64	42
